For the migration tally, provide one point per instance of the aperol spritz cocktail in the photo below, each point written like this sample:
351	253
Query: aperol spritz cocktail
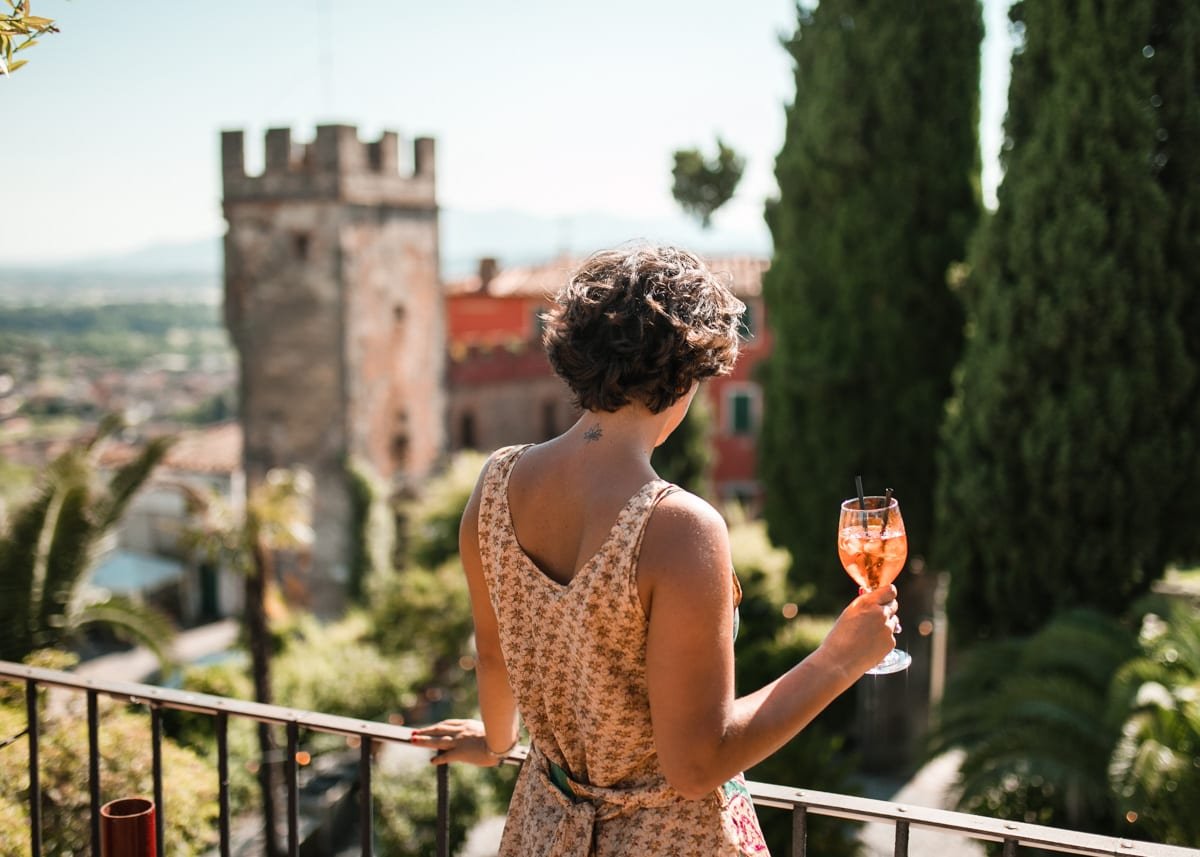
873	546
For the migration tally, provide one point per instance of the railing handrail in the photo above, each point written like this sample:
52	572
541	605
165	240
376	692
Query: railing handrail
763	794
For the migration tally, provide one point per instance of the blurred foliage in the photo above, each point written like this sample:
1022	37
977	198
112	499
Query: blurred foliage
424	607
878	195
229	678
52	541
1071	446
431	521
429	612
686	457
334	668
16	482
19	30
122	335
1155	767
1029	715
406	818
125	771
372	527
1083	726
702	186
762	570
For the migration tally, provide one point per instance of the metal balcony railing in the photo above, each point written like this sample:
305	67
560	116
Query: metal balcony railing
801	802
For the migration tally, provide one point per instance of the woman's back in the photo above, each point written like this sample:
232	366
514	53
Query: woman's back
574	646
574	642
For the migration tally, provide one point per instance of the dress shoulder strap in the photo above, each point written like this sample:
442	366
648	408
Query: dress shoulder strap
497	470
637	514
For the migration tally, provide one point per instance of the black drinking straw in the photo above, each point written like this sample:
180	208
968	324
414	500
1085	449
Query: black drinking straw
862	501
887	502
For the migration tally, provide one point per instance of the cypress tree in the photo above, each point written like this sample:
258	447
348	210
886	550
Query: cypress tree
1174	44
1071	440
878	195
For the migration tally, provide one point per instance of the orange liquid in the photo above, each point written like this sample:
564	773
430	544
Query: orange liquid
870	559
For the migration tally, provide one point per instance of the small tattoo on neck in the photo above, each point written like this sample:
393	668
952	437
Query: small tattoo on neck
593	434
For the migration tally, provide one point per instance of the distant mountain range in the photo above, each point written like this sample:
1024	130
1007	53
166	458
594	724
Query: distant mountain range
191	271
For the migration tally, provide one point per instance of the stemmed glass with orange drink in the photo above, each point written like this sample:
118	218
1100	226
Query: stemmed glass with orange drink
873	546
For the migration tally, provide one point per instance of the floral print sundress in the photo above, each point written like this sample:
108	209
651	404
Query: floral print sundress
576	658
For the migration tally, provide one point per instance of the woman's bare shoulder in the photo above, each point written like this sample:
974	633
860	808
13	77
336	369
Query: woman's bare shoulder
686	540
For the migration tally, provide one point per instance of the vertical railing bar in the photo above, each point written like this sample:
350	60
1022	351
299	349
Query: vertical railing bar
35	784
93	727
443	811
156	761
223	780
1010	848
901	839
799	831
366	820
292	772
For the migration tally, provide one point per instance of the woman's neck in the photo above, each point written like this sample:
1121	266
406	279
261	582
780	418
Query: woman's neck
630	432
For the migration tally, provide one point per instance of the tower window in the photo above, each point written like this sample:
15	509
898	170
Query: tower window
300	245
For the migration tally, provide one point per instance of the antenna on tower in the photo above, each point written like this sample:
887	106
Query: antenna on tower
325	50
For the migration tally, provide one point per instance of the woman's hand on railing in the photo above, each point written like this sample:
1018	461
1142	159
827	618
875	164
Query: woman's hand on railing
456	741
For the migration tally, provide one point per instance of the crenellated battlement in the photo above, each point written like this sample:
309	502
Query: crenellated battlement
336	165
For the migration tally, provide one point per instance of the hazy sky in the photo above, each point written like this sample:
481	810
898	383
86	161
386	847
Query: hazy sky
110	136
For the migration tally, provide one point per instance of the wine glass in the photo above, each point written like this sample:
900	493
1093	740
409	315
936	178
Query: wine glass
872	546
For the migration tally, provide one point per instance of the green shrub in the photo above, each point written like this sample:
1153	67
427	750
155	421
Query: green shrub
189	791
431	521
406	806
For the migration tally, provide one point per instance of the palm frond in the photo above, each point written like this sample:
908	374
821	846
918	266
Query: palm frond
18	559
109	425
279	510
52	541
1026	714
66	555
128	479
131	620
66	475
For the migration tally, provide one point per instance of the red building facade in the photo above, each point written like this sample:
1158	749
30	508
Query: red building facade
502	390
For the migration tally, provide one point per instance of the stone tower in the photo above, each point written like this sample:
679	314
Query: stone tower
333	300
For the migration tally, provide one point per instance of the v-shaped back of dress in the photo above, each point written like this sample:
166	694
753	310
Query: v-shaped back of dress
575	652
620	527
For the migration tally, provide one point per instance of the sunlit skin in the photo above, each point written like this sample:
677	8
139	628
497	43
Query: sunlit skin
564	495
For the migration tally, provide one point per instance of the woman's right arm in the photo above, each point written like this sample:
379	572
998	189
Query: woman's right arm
703	733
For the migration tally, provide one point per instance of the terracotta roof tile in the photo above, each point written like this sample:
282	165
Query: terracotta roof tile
211	449
214	449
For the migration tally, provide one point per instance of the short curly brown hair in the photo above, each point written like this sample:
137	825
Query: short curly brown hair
641	324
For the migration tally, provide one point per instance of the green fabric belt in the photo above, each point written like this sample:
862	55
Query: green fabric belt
559	777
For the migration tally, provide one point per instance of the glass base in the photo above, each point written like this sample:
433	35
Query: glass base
896	661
